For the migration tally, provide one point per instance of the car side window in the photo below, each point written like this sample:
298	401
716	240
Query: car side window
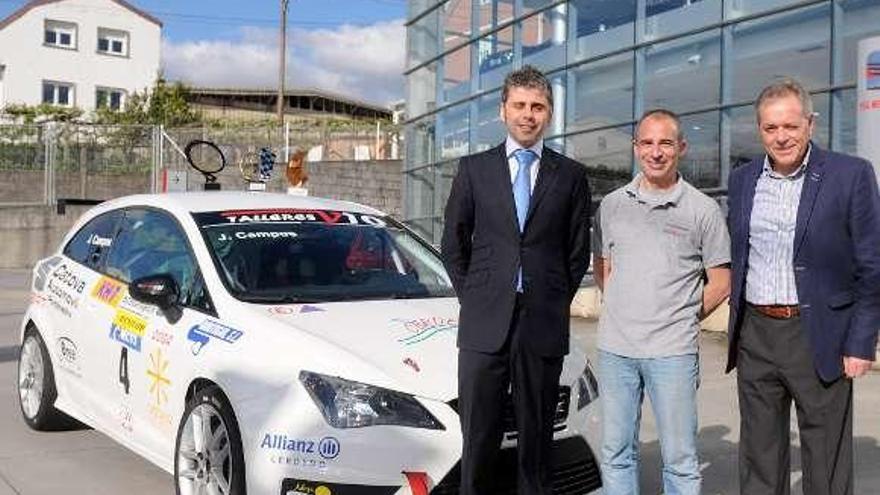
151	242
90	245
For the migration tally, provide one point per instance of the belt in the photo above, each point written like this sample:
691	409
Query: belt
777	311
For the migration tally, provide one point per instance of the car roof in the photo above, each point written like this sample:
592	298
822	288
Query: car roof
183	203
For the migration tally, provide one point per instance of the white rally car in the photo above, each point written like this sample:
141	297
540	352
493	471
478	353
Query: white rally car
264	344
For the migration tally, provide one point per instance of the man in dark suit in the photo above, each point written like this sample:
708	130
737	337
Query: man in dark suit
515	244
805	298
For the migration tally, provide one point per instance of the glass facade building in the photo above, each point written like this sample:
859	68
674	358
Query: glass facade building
610	60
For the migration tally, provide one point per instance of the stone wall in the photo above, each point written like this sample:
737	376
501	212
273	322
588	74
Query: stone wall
32	232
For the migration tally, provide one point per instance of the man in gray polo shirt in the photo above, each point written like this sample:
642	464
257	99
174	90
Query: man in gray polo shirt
661	256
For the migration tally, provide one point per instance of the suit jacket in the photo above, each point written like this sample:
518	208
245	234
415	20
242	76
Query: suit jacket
836	257
482	248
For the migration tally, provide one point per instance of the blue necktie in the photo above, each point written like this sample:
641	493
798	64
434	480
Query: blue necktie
522	194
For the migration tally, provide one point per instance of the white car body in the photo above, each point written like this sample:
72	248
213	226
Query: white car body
255	353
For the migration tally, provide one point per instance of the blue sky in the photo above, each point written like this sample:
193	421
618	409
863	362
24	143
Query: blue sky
352	47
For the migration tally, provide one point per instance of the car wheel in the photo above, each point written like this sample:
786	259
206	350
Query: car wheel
208	458
36	385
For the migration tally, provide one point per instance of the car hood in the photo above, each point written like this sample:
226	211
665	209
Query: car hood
411	341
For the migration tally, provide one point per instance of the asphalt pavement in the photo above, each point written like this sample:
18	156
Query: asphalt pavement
89	463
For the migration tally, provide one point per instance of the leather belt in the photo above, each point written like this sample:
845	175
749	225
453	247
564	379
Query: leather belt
777	311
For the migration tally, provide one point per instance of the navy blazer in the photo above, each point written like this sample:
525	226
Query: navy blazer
482	248
836	257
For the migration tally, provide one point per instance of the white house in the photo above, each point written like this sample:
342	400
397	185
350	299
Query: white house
83	53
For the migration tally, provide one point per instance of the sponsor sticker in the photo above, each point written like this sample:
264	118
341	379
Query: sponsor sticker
126	417
128	329
421	329
43	270
303	452
200	335
295	309
293	486
872	71
162	336
288	215
108	291
246	236
64	289
412	364
68	357
96	240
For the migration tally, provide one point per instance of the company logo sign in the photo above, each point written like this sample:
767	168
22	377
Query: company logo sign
128	329
200	335
68	356
872	71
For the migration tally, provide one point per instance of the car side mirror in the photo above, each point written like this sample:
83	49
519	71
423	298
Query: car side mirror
159	290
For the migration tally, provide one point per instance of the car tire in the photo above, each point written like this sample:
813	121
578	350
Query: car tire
208	452
36	385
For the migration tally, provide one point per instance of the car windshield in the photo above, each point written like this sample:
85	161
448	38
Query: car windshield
290	255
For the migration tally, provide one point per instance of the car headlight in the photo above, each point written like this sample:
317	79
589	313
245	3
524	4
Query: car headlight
349	404
588	387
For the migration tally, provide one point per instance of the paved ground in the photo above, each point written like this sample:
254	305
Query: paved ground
87	462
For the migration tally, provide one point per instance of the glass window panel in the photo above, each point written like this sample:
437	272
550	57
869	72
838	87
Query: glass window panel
64	39
603	25
421	88
684	74
48	93
556	144
50	37
452	127
103	44
701	165
496	57
603	93
422	39
793	44
845	137
420	143
444	173
455	17
490	130
100	98
115	100
734	9
63	95
861	19
607	155
493	13
822	125
533	5
420	200
668	17
117	47
543	39
457	74
417	7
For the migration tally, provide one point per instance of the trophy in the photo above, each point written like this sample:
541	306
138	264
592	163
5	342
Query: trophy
256	168
207	158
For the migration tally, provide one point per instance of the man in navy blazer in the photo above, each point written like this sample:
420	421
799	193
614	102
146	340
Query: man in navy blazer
805	299
515	244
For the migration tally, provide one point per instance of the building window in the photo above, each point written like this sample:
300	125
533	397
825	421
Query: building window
112	42
59	34
109	98
58	93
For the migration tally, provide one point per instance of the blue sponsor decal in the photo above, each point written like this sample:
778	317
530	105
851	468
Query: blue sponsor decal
872	71
200	335
328	447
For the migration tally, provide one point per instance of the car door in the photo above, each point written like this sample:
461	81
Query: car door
148	347
69	282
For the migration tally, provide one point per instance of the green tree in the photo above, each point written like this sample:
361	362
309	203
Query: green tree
166	104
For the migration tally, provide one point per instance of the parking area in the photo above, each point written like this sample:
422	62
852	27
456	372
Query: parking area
87	462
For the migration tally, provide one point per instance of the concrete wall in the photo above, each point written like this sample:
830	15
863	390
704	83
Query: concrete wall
32	232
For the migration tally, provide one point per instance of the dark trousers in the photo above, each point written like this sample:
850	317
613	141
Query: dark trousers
483	383
775	366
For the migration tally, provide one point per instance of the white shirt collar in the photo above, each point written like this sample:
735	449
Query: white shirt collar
510	145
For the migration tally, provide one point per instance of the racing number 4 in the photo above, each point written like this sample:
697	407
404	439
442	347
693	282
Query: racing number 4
123	369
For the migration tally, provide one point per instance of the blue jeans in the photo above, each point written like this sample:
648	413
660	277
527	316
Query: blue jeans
671	383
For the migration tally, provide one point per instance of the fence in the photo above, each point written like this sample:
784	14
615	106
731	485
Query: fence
41	164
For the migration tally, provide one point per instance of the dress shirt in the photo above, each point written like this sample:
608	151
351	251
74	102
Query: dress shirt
510	147
770	275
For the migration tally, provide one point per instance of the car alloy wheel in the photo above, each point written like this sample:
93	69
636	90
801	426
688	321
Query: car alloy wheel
209	458
36	384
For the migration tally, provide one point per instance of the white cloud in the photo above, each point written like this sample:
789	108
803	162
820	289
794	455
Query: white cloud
362	62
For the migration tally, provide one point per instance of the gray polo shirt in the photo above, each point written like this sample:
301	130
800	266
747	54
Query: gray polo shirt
659	246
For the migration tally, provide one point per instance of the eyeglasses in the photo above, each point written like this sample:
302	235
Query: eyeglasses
665	145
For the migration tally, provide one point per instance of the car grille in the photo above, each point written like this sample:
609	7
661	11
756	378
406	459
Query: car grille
574	471
509	416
